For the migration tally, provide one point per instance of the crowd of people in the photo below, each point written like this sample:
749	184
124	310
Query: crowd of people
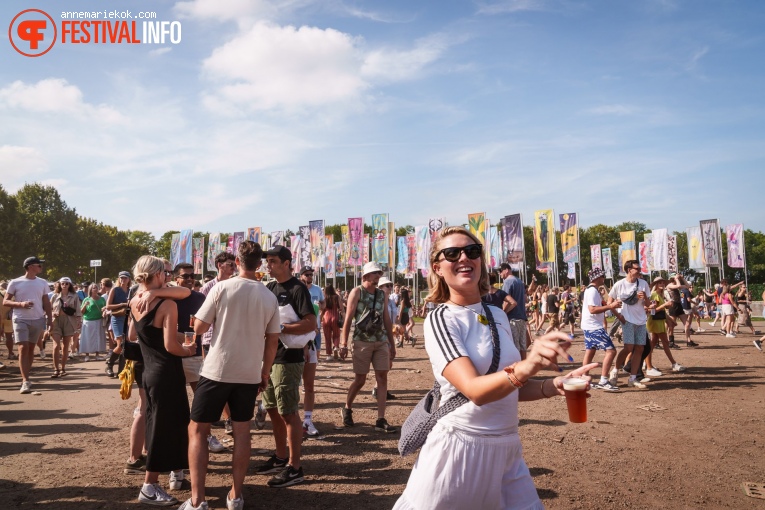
245	340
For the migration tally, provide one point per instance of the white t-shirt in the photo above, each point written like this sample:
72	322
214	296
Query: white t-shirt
243	311
592	321
26	289
621	290
451	332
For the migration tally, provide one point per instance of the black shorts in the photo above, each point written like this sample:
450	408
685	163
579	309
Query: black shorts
676	310
212	396
404	319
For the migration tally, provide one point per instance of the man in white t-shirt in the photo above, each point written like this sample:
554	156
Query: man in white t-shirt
593	326
27	296
242	350
634	294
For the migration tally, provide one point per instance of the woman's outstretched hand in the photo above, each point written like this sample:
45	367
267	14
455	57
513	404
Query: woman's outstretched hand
580	372
544	355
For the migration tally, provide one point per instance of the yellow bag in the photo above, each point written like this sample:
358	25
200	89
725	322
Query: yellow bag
127	376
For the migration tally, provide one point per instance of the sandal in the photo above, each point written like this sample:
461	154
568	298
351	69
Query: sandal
63	373
56	374
691	344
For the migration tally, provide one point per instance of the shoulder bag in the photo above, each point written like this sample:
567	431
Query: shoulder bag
426	413
370	322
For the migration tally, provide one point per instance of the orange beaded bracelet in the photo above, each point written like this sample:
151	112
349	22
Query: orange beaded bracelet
510	372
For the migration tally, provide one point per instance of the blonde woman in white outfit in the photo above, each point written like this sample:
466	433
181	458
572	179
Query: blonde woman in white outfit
473	457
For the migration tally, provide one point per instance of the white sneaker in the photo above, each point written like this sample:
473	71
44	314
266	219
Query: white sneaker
677	367
700	330
214	444
26	387
645	380
310	429
176	479
42	354
87	358
154	494
652	372
188	506
613	377
729	335
236	504
636	384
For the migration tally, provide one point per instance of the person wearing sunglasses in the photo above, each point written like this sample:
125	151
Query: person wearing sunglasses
634	294
28	297
65	307
473	456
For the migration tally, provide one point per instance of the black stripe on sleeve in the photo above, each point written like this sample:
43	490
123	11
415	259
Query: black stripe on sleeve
443	337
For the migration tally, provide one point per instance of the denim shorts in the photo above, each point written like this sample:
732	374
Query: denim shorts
634	334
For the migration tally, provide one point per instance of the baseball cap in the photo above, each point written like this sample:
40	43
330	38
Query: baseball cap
123	273
280	251
32	260
65	279
306	269
371	267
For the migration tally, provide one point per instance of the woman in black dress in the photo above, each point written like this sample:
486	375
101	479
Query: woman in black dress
167	405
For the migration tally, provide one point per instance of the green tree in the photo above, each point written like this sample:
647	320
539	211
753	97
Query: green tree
13	248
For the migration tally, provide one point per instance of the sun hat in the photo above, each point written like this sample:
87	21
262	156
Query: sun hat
595	273
384	281
658	279
371	267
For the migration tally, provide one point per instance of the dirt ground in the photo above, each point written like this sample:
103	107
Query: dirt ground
66	448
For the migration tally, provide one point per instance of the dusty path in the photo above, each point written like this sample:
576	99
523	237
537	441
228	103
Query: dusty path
66	448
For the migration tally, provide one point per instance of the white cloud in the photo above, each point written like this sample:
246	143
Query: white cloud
19	165
612	109
54	95
160	51
398	65
697	55
510	6
243	12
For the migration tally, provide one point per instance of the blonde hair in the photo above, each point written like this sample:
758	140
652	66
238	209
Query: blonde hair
146	267
438	291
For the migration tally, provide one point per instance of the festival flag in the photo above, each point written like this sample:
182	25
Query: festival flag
356	235
695	253
734	235
494	248
329	256
597	261
411	246
648	240
213	249
379	238
435	225
571	271
643	254
403	255
710	240
628	246
569	237
317	243
660	247
277	237
622	260
175	249
305	246
365	249
295	246
512	235
672	253
186	253
198	254
339	260
544	234
608	265
265	241
477	226
422	235
238	238
345	238
391	245
253	234
229	243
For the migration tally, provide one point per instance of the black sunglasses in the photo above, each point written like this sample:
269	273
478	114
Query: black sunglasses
452	254
188	276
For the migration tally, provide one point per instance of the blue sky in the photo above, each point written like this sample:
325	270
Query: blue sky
274	113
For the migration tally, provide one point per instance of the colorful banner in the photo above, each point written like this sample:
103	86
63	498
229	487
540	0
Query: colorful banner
672	253
544	235
648	239
512	236
695	253
304	233
411	246
494	248
295	246
608	265
628	246
380	238
253	234
710	240
403	256
277	237
571	271
643	254
622	260
339	260
229	243
265	243
541	266
329	256
213	249
175	250
238	238
595	256
317	243
660	247
198	254
422	235
569	237
345	238
735	238
391	244
365	249
477	226
435	225
356	234
186	253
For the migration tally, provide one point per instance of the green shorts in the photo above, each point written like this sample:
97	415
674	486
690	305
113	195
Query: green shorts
283	390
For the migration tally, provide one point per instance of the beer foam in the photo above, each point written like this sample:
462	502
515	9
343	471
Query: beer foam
574	384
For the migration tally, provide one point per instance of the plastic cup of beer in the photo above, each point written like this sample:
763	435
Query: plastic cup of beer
188	338
576	399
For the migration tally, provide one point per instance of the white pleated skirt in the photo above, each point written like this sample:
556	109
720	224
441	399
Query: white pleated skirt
92	337
457	470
